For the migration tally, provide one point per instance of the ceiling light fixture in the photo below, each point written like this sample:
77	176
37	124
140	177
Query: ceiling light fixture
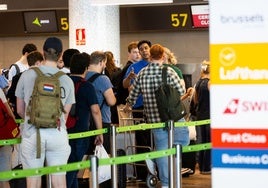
128	2
3	6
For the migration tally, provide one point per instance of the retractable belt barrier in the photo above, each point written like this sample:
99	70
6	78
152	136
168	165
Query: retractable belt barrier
109	161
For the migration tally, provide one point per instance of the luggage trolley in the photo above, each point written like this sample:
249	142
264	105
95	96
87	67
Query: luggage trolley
125	119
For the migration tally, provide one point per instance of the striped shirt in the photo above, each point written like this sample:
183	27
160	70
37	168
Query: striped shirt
147	81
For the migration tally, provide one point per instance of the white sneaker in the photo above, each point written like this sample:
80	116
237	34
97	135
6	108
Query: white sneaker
185	170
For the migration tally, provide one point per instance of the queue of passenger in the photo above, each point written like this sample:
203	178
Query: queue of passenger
95	84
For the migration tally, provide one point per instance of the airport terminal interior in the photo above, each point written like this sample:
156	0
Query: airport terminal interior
190	44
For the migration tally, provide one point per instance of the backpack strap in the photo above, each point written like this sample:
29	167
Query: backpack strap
164	75
59	74
16	67
38	71
94	77
91	80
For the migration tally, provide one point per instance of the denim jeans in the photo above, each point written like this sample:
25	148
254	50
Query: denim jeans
181	136
79	147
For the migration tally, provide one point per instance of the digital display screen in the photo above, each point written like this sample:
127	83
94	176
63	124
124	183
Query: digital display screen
155	18
40	22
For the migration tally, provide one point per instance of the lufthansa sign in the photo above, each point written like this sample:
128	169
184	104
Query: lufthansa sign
239	63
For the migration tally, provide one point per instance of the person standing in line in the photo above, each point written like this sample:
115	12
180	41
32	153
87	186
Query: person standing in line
20	66
113	72
171	61
105	96
134	69
202	107
55	148
147	81
22	63
86	106
121	92
104	91
64	62
143	138
5	151
133	57
34	58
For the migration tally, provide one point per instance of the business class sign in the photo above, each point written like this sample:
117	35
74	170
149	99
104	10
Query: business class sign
239	100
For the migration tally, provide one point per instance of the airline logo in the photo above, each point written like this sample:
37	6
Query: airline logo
239	63
227	56
242	23
232	107
235	106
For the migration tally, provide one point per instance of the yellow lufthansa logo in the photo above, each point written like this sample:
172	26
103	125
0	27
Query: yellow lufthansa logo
227	56
239	63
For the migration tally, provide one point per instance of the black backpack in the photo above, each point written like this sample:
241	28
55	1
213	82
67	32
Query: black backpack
6	71
11	94
121	92
168	101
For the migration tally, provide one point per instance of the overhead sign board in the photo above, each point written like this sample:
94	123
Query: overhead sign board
239	104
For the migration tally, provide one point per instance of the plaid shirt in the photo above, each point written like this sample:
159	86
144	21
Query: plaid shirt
147	81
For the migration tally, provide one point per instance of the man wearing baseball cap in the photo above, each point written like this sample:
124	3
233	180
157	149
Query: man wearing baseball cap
54	141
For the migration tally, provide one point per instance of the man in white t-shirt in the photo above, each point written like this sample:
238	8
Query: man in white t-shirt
22	64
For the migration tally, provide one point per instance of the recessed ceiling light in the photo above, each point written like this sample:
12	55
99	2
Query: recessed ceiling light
3	6
128	2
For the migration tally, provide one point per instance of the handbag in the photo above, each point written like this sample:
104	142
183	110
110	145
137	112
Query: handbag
104	172
8	127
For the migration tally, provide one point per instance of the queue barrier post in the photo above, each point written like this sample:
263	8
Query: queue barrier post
170	126
94	171
113	146
48	179
178	161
